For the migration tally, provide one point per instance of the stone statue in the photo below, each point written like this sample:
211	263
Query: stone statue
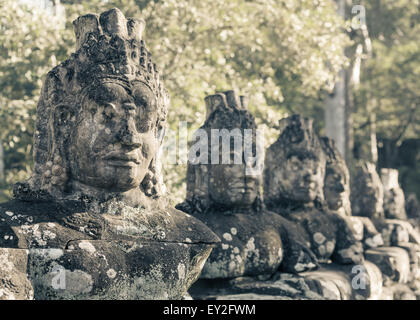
226	197
367	194
93	222
394	200
398	259
412	207
294	176
337	179
337	195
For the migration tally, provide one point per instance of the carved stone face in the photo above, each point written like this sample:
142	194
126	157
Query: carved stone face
367	192
372	195
114	140
231	187
335	191
394	200
300	178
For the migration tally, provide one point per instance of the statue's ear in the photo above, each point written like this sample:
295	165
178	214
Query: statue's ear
62	120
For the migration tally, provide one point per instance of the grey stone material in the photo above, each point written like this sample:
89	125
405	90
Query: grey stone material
346	282
412	206
294	174
337	196
368	200
329	282
337	179
393	262
282	286
393	232
398	260
394	199
93	221
413	211
255	241
367	192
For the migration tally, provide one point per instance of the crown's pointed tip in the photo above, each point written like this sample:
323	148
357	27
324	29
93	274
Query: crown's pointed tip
113	21
135	27
232	99
83	25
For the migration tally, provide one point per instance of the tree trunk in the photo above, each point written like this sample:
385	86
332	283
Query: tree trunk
336	125
335	114
373	141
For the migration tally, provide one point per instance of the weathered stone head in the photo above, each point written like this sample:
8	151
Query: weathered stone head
412	206
101	115
394	200
223	191
337	179
367	192
294	165
101	221
220	174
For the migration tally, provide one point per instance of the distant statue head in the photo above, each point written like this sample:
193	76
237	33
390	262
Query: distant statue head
394	199
337	179
367	192
295	164
222	174
101	115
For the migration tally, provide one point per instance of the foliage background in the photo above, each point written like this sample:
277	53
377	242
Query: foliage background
283	54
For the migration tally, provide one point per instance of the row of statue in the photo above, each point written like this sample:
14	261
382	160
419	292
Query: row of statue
93	221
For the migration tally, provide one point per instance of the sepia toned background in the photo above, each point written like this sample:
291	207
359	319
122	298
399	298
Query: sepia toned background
352	67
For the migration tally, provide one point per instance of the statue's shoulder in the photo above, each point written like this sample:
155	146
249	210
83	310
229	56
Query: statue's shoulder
36	224
15	215
16	211
189	227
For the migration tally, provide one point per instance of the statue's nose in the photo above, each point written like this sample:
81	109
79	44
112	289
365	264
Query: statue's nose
340	187
128	134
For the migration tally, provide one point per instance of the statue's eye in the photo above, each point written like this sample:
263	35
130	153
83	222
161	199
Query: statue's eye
142	101
108	111
294	163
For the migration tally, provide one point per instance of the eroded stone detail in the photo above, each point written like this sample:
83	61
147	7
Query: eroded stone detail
94	212
337	179
254	241
294	176
337	196
367	192
394	200
399	259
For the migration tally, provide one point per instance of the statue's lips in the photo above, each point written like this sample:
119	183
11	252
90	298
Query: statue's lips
243	188
122	159
307	186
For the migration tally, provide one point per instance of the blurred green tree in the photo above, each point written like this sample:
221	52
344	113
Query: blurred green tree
283	54
31	44
389	86
389	80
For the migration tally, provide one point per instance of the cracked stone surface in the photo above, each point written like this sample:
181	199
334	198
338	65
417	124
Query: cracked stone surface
294	175
93	221
254	241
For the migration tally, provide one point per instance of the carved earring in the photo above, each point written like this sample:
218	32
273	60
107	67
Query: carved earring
152	184
147	184
55	173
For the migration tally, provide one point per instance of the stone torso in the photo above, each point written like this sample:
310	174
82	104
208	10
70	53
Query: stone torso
93	221
125	254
